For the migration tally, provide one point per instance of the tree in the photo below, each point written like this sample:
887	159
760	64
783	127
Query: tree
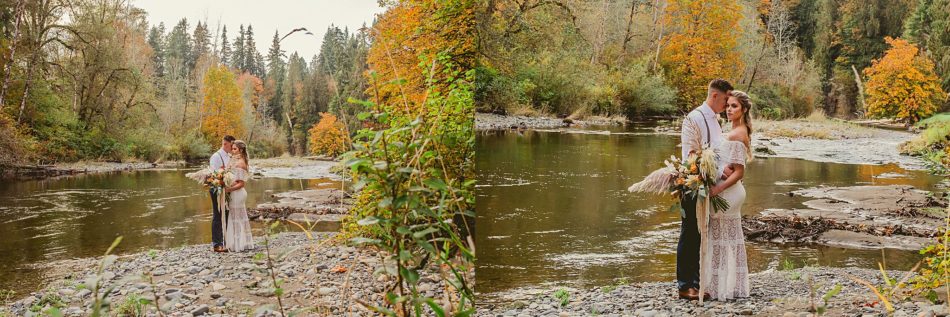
237	60
179	50
929	28
700	47
902	84
221	110
225	52
202	43
250	53
328	137
407	38
156	39
275	79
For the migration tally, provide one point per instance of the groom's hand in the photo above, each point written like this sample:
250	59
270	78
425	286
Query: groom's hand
727	171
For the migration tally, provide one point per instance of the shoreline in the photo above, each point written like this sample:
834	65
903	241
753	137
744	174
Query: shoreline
289	167
772	293
318	274
820	140
495	122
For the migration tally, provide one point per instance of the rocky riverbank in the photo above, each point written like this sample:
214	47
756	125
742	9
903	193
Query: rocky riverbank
772	293
876	147
866	217
319	278
494	122
293	167
323	208
85	167
815	138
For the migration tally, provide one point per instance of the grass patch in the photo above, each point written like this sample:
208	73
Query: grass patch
133	305
562	296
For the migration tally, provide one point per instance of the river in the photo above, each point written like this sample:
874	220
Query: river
552	209
47	220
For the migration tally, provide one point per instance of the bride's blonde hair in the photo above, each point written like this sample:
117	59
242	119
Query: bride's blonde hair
746	103
243	147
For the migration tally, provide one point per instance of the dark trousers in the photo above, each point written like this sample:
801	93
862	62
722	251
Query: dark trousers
687	251
217	217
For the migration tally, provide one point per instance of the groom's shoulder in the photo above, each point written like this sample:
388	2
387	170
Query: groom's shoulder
694	114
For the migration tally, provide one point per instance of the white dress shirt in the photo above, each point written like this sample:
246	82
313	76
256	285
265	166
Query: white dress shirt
693	133
220	159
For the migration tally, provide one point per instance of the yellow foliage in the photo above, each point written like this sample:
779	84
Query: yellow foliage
223	104
406	39
328	136
902	84
701	46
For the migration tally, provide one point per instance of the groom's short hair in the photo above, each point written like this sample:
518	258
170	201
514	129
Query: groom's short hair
720	85
229	138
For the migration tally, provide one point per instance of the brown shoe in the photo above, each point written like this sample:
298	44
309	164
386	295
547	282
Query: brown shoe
690	294
220	249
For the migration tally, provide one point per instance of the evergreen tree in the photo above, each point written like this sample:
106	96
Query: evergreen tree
929	28
225	54
156	39
237	60
250	52
179	48
202	43
275	78
259	65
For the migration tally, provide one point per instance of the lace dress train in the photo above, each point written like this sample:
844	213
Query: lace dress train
237	233
726	257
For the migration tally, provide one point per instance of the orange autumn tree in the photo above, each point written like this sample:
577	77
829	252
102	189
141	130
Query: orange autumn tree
701	46
902	84
406	39
222	108
328	137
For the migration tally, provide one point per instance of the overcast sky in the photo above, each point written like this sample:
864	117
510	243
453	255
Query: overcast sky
266	17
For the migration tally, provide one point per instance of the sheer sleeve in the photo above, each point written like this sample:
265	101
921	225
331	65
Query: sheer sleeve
240	174
737	153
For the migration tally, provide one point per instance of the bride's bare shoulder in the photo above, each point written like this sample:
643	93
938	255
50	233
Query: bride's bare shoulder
738	135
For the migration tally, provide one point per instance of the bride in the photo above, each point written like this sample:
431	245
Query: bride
725	260
237	230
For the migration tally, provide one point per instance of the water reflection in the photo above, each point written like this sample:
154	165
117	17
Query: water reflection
553	208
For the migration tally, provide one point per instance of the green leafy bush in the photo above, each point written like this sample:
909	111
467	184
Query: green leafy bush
417	195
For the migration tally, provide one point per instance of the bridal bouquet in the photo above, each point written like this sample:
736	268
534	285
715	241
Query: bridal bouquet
694	178
214	179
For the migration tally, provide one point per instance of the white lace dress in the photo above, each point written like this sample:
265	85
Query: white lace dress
728	275
237	230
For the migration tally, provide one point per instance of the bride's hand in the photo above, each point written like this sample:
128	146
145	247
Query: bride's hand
716	190
727	171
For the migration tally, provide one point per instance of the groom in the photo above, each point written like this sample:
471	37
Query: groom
700	127
219	160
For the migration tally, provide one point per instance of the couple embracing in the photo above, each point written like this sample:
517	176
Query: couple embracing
230	227
713	265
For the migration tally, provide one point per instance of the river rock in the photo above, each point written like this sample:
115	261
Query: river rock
66	292
173	296
324	291
82	293
217	286
200	310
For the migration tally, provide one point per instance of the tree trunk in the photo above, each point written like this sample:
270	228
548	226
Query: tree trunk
26	87
293	139
13	44
659	38
857	80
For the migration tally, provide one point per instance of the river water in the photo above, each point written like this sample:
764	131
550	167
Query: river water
73	217
553	209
